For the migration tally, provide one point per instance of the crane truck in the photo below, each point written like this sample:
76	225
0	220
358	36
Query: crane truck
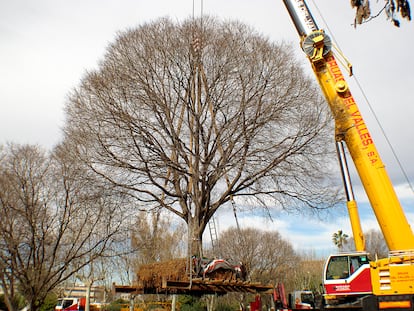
353	280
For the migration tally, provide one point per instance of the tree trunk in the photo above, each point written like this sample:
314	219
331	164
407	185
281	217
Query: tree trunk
195	236
131	303
174	302
210	302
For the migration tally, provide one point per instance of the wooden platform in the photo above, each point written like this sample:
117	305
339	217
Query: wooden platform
197	287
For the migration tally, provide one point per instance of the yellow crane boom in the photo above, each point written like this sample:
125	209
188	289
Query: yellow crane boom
350	127
351	281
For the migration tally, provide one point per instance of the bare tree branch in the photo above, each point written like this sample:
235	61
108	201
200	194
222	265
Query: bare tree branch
186	116
55	220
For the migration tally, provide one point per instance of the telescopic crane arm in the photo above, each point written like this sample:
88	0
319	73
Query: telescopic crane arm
351	129
351	280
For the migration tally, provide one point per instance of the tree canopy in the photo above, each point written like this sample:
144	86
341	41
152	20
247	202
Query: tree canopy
54	222
340	239
185	116
267	256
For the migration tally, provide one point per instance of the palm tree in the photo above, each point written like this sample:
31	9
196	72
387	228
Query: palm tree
340	239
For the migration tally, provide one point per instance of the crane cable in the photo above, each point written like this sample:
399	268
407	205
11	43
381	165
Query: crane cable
197	42
410	185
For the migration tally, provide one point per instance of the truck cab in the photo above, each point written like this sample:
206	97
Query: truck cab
347	276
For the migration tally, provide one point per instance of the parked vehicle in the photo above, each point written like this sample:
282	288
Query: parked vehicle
71	304
302	299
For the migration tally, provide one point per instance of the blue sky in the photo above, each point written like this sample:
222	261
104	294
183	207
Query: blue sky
47	45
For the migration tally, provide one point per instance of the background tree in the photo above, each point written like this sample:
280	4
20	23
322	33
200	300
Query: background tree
340	239
308	273
268	257
55	221
375	244
157	238
121	267
185	116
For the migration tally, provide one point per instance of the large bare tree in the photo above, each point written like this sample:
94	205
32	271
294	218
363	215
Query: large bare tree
55	221
185	116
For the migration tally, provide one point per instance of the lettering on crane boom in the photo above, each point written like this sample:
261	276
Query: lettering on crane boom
354	112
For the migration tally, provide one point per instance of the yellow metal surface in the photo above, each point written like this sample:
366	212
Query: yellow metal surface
351	127
393	275
394	304
356	226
